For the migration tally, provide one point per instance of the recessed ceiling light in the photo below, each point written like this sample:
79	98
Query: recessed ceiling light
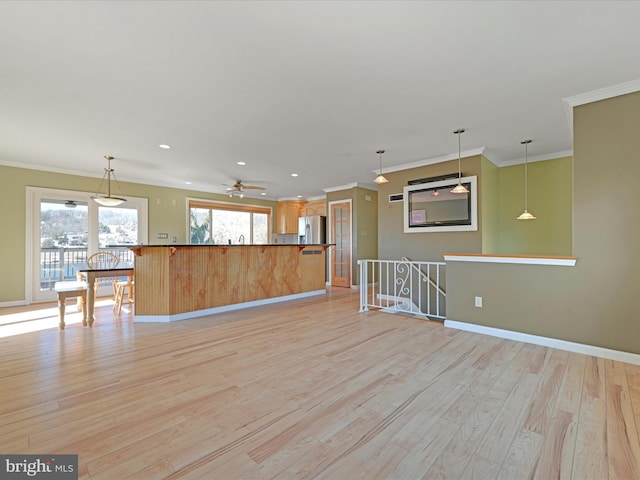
187	183
294	174
241	163
299	196
262	193
166	147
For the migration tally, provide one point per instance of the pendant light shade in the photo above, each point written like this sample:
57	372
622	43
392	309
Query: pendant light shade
526	215
380	178
459	188
107	200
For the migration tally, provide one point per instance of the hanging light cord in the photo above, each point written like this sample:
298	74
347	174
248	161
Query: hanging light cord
459	167
526	176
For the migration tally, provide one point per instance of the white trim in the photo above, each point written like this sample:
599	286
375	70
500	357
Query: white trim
562	262
569	103
434	160
603	93
34	196
537	158
547	342
348	186
13	303
225	308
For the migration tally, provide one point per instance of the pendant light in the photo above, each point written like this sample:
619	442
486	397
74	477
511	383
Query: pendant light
526	215
107	200
380	178
459	188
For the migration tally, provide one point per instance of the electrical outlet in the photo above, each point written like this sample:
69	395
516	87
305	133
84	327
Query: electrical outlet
478	302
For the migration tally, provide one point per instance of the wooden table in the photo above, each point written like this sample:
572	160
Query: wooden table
90	275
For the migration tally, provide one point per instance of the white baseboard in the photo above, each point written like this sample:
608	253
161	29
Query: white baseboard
226	308
547	342
15	303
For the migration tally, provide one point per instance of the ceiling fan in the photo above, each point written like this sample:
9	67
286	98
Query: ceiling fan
238	188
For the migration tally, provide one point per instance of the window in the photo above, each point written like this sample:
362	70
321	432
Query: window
222	223
64	227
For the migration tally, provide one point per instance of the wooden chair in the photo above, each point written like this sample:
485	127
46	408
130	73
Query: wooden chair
122	286
103	260
70	289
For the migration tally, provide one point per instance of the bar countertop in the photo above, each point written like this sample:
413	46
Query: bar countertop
226	245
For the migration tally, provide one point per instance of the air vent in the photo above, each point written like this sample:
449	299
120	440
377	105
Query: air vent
433	179
395	197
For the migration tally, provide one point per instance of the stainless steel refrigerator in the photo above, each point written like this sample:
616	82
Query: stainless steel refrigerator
312	229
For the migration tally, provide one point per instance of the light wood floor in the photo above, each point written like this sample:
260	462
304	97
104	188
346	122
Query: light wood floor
313	389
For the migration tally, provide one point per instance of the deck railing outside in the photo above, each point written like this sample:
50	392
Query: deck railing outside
403	286
61	263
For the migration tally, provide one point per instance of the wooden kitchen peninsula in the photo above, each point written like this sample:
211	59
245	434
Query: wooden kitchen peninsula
176	282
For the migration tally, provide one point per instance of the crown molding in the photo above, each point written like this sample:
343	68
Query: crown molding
432	160
537	158
570	103
316	198
46	168
340	187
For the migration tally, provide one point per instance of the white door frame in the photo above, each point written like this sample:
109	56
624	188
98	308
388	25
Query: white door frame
32	245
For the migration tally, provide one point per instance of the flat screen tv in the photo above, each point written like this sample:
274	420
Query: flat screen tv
431	207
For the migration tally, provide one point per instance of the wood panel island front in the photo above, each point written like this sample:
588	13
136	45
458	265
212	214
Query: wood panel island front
176	282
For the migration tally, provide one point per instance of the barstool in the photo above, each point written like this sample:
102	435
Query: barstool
120	287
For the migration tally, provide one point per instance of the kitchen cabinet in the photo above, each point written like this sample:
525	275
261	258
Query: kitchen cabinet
287	216
315	208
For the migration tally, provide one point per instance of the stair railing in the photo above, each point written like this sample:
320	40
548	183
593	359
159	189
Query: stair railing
403	286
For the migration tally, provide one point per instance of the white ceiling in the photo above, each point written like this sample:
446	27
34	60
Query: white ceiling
313	88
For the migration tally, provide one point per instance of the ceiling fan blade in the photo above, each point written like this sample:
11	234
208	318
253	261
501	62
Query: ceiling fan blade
253	187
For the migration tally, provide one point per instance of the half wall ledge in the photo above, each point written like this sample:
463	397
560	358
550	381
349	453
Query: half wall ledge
515	259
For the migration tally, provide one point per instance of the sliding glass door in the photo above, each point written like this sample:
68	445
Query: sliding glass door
66	227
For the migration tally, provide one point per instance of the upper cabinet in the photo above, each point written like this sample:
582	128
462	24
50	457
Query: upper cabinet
318	207
287	214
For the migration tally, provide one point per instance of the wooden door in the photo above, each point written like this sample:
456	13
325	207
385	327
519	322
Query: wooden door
341	237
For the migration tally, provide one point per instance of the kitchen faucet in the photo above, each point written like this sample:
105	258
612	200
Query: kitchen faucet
241	239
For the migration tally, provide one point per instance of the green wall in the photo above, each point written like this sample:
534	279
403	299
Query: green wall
595	302
393	243
489	206
550	200
364	226
500	201
167	213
